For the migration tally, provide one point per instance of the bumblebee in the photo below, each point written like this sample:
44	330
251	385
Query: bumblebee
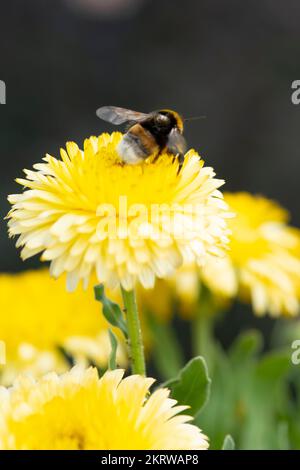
147	134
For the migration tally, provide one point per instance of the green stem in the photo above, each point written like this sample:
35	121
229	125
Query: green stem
135	341
203	326
202	332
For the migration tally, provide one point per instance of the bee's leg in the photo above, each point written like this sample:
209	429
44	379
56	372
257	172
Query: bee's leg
156	156
180	159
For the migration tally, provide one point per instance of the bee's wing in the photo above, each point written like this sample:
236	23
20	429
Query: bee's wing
176	142
117	116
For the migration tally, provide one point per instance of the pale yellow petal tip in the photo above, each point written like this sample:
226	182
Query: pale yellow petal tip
48	414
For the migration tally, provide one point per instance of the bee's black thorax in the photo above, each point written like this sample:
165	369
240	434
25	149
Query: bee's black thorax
160	124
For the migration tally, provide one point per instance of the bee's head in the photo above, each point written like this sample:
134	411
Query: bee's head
170	118
160	123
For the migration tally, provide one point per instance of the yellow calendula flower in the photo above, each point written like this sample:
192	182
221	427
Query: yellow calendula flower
38	316
263	263
80	411
89	212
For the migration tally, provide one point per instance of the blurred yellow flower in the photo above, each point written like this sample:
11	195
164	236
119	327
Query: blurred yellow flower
181	292
38	315
79	411
90	212
263	263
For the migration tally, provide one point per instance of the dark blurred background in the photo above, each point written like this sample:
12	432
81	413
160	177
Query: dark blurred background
232	61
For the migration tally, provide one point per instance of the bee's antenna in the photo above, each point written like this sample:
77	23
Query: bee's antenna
194	118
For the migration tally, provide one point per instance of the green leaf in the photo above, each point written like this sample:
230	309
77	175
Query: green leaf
228	443
112	361
192	386
246	346
274	366
111	310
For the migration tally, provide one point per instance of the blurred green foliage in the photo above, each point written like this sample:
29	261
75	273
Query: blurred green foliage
250	396
253	398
